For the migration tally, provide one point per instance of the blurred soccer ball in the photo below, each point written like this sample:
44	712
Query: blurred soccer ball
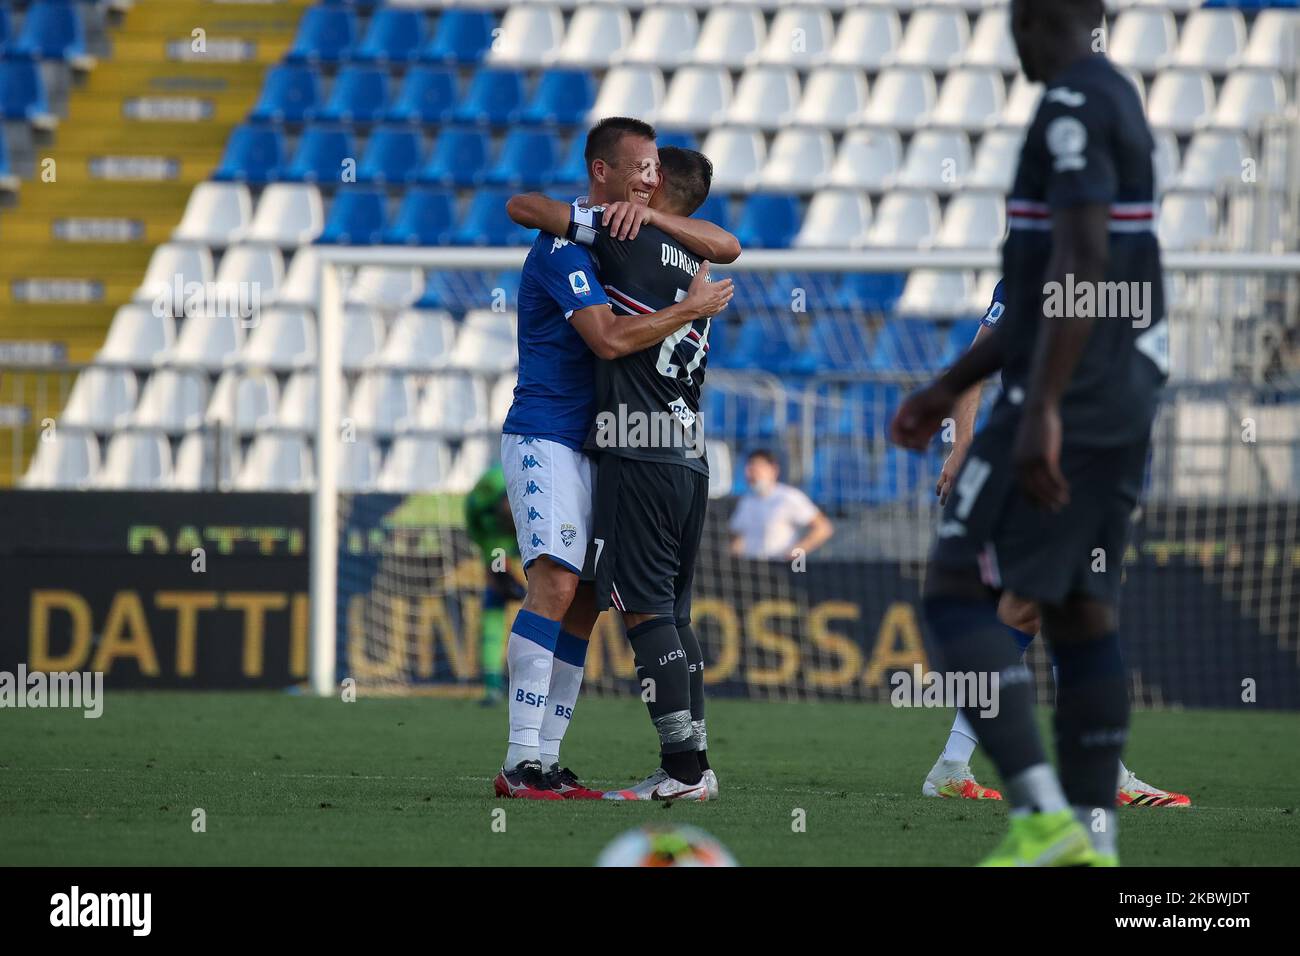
665	846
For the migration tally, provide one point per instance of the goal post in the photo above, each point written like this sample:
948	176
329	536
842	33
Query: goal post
403	570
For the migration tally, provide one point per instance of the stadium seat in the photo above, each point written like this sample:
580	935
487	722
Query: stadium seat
995	160
428	94
766	97
737	155
462	37
8	181
839	342
392	157
101	399
840	476
529	35
68	459
206	340
836	219
912	345
1213	157
768	221
301	285
459	158
934	39
173	267
486	223
629	91
698	98
869	291
359	463
798	161
420	340
799	36
898	474
6	29
936	294
990	43
970	99
1210	40
254	155
572	170
387	288
595	35
394	36
475	456
562	97
244	401
527	161
52	30
495	97
415	464
299	408
716	210
173	400
425	218
487	342
833	98
973	220
454	403
382	400
1187	221
322	156
22	93
216	214
196	461
363	336
1165	159
665	35
276	463
868	159
290	94
1257	221
867	38
500	399
247	276
326	34
1142	38
1180	100
283	338
1247	97
730	36
1272	44
904	220
356	218
1022	102
900	98
287	216
936	160
360	95
138	336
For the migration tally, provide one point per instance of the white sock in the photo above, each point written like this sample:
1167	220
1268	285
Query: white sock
961	741
1036	788
566	680
529	653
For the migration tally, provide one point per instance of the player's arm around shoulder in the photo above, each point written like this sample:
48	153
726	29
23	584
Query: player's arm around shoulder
536	211
624	220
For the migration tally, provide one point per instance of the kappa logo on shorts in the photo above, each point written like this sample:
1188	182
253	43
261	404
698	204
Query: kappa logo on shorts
530	461
534	514
568	533
537	542
532	488
526	440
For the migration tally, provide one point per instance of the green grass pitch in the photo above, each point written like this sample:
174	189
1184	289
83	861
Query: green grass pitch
292	780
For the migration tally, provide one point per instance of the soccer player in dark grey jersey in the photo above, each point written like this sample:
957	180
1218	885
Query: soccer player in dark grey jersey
652	472
1042	503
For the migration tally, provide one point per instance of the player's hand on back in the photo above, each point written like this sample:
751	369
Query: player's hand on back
1036	458
948	475
921	415
709	298
624	219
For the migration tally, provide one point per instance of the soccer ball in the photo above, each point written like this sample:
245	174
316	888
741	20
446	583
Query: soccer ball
665	846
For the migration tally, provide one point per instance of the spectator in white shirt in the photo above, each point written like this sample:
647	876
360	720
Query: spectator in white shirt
773	521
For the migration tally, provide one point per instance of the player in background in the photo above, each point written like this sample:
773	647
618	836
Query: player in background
651	485
1053	477
491	527
564	322
951	774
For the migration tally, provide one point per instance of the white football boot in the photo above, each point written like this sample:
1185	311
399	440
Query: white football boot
660	786
711	781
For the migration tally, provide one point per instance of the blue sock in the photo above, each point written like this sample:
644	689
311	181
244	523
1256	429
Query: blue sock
1023	638
1092	715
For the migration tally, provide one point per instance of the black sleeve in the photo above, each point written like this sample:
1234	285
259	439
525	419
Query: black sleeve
1074	124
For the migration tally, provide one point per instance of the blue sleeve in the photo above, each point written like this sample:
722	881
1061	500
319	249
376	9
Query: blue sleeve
1075	126
568	276
996	306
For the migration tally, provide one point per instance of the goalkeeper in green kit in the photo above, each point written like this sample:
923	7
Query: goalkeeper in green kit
491	527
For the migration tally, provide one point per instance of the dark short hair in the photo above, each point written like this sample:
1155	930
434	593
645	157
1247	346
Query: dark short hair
603	138
765	455
688	174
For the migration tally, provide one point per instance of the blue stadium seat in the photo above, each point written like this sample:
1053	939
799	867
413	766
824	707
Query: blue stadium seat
856	409
563	96
841	475
325	35
495	97
254	154
360	95
290	94
573	170
356	218
869	291
459	158
463	37
4	155
769	343
508	282
22	91
486	222
425	218
741	414
394	36
899	475
912	345
839	342
527	160
392	156
428	95
6	29
769	221
51	30
960	336
715	210
320	156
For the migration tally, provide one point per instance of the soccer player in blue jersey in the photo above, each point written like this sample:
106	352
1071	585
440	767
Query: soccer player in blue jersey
565	323
951	774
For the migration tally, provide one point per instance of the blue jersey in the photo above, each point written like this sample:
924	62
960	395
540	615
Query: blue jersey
555	397
997	305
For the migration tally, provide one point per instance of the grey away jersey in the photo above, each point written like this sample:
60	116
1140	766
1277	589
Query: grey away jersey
1088	143
648	403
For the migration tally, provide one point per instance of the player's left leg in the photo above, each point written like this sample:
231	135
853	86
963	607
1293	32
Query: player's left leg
566	681
692	534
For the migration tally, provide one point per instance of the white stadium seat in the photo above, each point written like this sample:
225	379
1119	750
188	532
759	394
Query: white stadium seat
730	36
1180	100
766	97
868	159
276	463
935	38
665	36
1248	96
207	340
474	457
301	285
197	462
867	37
969	99
1273	40
420	339
904	220
990	42
454	403
1213	158
101	398
363	335
937	294
487	342
1187	221
798	161
799	36
836	219
500	399
288	215
833	98
630	91
140	460
283	337
697	98
1022	102
138	336
1142	38
245	401
995	160
973	220
415	463
1211	40
936	159
900	98
216	214
300	403
173	400
358	465
596	35
737	156
67	458
382	402
529	35
386	287
172	267
1165	159
248	275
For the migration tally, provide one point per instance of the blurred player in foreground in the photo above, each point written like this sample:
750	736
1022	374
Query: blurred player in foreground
1052	480
951	774
492	529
